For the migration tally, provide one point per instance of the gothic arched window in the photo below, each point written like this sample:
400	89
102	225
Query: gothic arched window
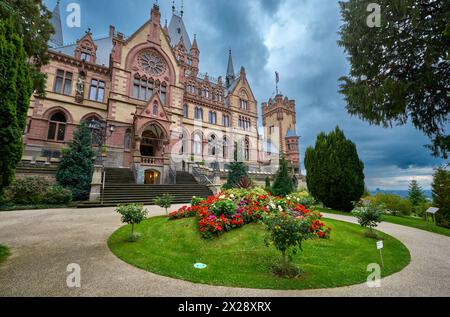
212	143
155	109
247	149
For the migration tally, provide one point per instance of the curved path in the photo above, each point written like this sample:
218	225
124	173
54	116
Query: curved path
44	242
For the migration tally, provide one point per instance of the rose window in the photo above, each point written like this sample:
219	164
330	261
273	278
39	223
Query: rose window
152	63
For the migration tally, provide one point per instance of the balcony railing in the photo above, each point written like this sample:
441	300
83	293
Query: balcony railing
152	161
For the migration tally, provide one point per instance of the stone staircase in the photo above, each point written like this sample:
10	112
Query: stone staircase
120	188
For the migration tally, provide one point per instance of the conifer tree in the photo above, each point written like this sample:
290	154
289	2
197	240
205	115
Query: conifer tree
415	194
76	167
335	174
441	195
238	171
15	91
283	184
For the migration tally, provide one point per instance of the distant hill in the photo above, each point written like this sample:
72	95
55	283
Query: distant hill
401	193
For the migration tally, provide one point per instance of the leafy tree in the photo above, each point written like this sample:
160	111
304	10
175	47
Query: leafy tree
132	214
369	215
15	92
335	174
283	184
416	195
165	201
31	20
441	195
237	171
399	71
76	167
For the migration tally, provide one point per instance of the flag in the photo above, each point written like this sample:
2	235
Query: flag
277	77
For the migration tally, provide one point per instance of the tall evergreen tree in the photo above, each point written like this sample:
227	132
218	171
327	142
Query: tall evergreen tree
400	70
335	174
415	194
283	184
441	195
31	20
76	167
15	92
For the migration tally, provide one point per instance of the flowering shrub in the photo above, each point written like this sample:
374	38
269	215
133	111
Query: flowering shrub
303	198
234	208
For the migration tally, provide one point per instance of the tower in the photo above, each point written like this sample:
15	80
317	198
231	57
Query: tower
56	40
279	122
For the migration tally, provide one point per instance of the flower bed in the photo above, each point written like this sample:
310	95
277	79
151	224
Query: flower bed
228	210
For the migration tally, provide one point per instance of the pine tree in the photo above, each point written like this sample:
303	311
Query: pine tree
335	174
76	167
400	70
416	195
441	195
283	184
15	92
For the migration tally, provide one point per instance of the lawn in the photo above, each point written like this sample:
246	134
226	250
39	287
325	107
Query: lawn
4	252
240	258
412	222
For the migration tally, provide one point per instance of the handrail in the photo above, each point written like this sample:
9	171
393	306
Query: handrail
103	185
173	174
204	179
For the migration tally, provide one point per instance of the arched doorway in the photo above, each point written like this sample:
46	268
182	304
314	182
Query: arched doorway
152	177
152	142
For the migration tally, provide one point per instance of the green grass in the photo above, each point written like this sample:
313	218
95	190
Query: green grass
4	252
412	222
241	259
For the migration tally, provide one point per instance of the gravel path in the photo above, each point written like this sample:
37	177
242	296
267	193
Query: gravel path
44	242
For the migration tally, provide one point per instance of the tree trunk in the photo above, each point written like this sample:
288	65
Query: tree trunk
283	262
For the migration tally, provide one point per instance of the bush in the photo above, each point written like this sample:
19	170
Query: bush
393	204
224	207
165	201
37	191
303	198
27	191
335	174
369	215
132	214
239	194
57	195
196	201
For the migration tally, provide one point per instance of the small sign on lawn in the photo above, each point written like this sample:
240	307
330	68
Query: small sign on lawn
432	210
380	245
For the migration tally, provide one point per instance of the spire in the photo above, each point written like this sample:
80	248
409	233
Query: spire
56	40
177	29
194	44
230	71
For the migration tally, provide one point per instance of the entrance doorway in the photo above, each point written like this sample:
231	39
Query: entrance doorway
152	177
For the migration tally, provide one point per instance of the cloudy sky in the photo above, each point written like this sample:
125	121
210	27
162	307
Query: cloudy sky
298	39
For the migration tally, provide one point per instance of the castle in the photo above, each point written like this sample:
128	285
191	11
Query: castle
161	113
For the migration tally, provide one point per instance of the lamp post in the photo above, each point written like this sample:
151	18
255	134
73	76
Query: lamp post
100	131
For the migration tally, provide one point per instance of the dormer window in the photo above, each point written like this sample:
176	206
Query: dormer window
85	56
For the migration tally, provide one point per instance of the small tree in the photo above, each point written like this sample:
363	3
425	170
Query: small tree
132	214
165	201
415	194
286	234
441	195
369	215
76	167
283	184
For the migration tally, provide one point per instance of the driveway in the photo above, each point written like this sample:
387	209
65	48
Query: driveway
45	242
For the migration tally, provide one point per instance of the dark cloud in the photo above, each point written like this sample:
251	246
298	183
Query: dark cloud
297	38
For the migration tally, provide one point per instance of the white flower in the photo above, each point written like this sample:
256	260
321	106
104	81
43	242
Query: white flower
280	208
231	196
222	197
298	199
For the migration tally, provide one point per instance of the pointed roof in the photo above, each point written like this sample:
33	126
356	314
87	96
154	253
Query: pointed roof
291	134
177	30
230	78
56	40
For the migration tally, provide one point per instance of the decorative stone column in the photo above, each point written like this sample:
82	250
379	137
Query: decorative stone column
96	184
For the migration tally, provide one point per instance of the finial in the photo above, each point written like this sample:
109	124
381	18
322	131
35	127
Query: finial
182	8
173	6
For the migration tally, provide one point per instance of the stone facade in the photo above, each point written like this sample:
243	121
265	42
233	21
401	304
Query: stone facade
166	114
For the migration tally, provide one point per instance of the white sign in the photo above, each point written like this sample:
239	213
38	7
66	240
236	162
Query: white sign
380	245
432	210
